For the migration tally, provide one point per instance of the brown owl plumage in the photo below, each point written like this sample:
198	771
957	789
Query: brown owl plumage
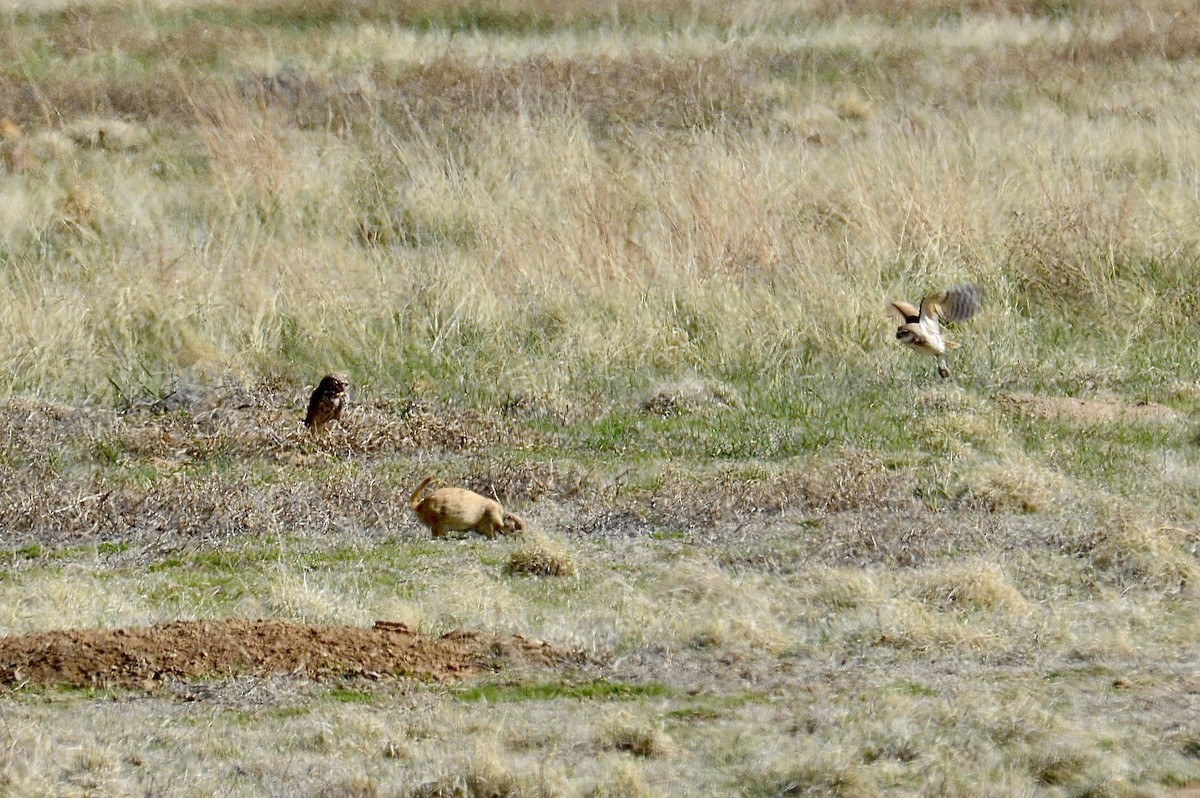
920	327
327	402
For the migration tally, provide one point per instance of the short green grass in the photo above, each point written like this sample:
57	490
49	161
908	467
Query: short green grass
599	690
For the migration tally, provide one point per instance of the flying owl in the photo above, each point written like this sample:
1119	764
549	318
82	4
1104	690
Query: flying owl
920	328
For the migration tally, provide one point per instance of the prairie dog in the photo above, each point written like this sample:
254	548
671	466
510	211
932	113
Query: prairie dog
460	509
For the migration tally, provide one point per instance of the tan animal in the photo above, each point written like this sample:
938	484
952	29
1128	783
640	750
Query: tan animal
14	155
459	509
327	402
920	328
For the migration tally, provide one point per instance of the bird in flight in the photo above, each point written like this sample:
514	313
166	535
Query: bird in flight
921	327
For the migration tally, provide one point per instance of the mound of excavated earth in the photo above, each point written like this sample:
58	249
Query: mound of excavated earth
1087	411
144	656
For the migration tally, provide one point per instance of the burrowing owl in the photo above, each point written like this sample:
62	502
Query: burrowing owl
327	402
920	328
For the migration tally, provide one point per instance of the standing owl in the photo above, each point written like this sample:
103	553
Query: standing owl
920	328
327	402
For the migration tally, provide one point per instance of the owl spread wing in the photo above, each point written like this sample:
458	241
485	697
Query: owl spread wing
905	312
954	304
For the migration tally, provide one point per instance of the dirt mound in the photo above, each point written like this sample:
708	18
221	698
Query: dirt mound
1087	411
143	656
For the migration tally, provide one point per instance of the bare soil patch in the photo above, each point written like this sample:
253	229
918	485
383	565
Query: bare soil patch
142	657
1087	411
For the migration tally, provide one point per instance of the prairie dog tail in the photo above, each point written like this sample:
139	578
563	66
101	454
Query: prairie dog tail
415	499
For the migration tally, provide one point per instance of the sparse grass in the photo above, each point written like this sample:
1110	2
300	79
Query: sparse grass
600	690
637	737
541	556
624	268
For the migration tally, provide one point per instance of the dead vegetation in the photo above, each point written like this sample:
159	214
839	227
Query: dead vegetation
623	269
540	555
1087	411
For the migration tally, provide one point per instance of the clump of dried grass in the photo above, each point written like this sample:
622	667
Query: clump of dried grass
1136	553
1064	765
853	106
849	479
973	585
817	775
841	588
1015	484
107	134
908	625
623	779
711	609
540	555
637	736
1071	249
485	776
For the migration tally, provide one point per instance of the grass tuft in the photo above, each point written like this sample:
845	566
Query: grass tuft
540	555
1134	553
636	736
485	775
1019	484
813	778
622	779
972	586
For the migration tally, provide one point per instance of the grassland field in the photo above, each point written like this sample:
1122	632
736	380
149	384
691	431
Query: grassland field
624	267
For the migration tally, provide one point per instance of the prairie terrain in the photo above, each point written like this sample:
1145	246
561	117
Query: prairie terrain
624	268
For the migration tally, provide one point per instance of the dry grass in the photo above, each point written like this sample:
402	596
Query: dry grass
486	776
625	269
691	177
1016	484
636	737
1129	550
624	780
973	586
541	556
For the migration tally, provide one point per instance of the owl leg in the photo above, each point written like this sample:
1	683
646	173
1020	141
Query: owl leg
943	369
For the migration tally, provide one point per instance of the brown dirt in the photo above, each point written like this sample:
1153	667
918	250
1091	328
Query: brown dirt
1087	411
143	657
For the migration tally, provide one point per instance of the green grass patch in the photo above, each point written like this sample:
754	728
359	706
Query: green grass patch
1086	671
165	564
668	535
597	690
711	708
345	695
913	688
483	18
30	551
287	713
